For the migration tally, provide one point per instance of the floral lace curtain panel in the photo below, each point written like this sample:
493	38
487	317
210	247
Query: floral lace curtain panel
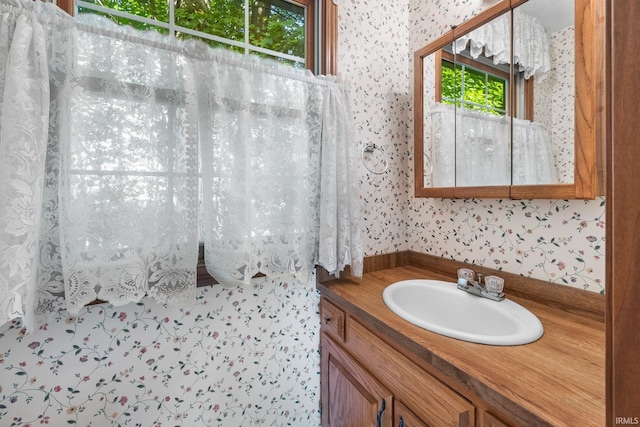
117	147
467	141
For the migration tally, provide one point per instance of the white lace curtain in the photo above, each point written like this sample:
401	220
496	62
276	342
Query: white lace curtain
530	43
277	193
533	159
105	135
480	149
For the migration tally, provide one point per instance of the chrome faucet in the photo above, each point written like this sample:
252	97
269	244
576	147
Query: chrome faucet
490	289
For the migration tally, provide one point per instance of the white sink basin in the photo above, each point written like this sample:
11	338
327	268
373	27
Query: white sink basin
442	308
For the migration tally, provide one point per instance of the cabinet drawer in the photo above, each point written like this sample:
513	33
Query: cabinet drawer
492	421
402	416
332	319
427	397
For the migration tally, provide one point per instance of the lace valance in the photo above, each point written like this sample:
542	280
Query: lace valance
530	43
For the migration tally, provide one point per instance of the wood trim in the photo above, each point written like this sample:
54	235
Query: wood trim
66	5
329	26
623	216
322	275
370	264
490	191
438	56
203	277
602	61
586	42
551	191
563	297
418	120
434	46
310	32
529	102
442	192
384	261
516	3
482	18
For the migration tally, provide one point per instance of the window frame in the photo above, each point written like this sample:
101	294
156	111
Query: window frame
442	55
321	26
323	57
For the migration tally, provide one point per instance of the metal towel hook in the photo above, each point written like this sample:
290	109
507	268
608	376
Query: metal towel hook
369	148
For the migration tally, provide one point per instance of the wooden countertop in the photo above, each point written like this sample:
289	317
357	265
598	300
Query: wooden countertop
558	380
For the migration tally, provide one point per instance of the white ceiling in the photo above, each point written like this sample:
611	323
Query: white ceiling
553	14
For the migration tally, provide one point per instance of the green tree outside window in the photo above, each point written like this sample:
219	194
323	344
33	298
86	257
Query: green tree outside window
469	88
274	25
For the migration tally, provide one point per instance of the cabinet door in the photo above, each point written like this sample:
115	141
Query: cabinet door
403	417
351	396
425	395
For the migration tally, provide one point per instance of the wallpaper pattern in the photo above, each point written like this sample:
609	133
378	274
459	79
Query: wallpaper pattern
373	55
249	356
241	357
553	98
554	240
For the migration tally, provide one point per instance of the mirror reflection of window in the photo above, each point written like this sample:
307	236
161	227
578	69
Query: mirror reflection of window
472	85
553	72
474	80
474	75
485	85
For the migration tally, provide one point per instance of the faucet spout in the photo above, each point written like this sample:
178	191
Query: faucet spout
478	285
479	289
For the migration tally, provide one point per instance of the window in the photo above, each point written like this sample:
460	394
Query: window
283	30
279	29
478	85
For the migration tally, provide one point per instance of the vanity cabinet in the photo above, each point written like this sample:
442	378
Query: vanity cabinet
366	382
371	355
354	397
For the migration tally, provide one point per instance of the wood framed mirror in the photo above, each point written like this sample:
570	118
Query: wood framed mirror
465	147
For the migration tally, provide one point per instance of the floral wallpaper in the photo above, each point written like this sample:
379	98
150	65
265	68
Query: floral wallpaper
242	356
249	355
373	56
554	240
553	99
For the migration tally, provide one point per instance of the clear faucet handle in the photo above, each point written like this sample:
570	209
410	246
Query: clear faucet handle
494	284
466	273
